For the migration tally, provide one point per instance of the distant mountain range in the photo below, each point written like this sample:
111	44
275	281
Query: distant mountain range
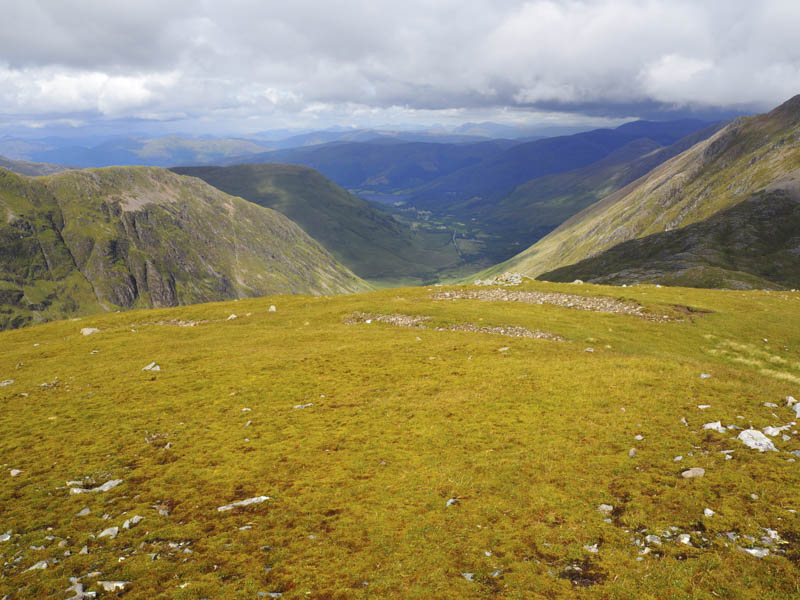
24	167
87	241
722	212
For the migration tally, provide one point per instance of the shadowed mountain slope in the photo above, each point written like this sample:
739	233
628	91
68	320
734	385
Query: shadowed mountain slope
754	244
749	155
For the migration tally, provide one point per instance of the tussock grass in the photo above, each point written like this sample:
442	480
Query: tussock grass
529	440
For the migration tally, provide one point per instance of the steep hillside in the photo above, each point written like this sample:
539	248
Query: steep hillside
371	243
754	244
541	205
548	441
85	241
494	178
24	167
748	155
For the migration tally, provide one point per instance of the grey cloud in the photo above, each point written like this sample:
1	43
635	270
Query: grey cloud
241	59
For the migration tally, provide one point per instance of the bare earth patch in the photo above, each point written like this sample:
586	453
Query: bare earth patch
411	321
592	303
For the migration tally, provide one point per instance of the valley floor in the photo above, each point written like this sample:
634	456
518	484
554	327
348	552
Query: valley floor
410	443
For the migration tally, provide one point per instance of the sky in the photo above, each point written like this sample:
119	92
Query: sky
240	66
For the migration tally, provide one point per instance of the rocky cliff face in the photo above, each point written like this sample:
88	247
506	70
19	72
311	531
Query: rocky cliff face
118	238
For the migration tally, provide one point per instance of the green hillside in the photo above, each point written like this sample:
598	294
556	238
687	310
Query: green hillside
754	244
115	238
448	442
749	155
371	243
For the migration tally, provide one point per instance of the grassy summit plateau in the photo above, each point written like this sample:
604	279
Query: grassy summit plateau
410	444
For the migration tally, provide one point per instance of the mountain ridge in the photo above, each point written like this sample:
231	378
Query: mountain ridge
127	237
748	155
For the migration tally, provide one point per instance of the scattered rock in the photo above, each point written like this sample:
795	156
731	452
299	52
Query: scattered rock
715	426
6	536
705	375
790	401
589	350
703	406
631	452
773	431
468	576
757	552
248	501
84	550
89	330
451	502
42	564
6	382
108	485
753	438
684	421
601	304
707	512
685	538
578	282
693	472
770	405
111	532
638	437
593	548
77	588
309	405
151	367
677	458
606	509
506	279
15	472
113	586
132	522
272	308
231	318
653	539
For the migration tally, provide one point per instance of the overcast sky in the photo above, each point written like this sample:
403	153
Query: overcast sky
250	65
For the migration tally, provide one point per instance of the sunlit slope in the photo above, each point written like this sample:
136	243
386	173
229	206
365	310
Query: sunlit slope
368	241
749	155
108	239
408	462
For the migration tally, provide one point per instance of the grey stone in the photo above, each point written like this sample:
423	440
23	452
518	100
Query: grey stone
113	586
111	532
247	502
693	472
752	438
606	509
